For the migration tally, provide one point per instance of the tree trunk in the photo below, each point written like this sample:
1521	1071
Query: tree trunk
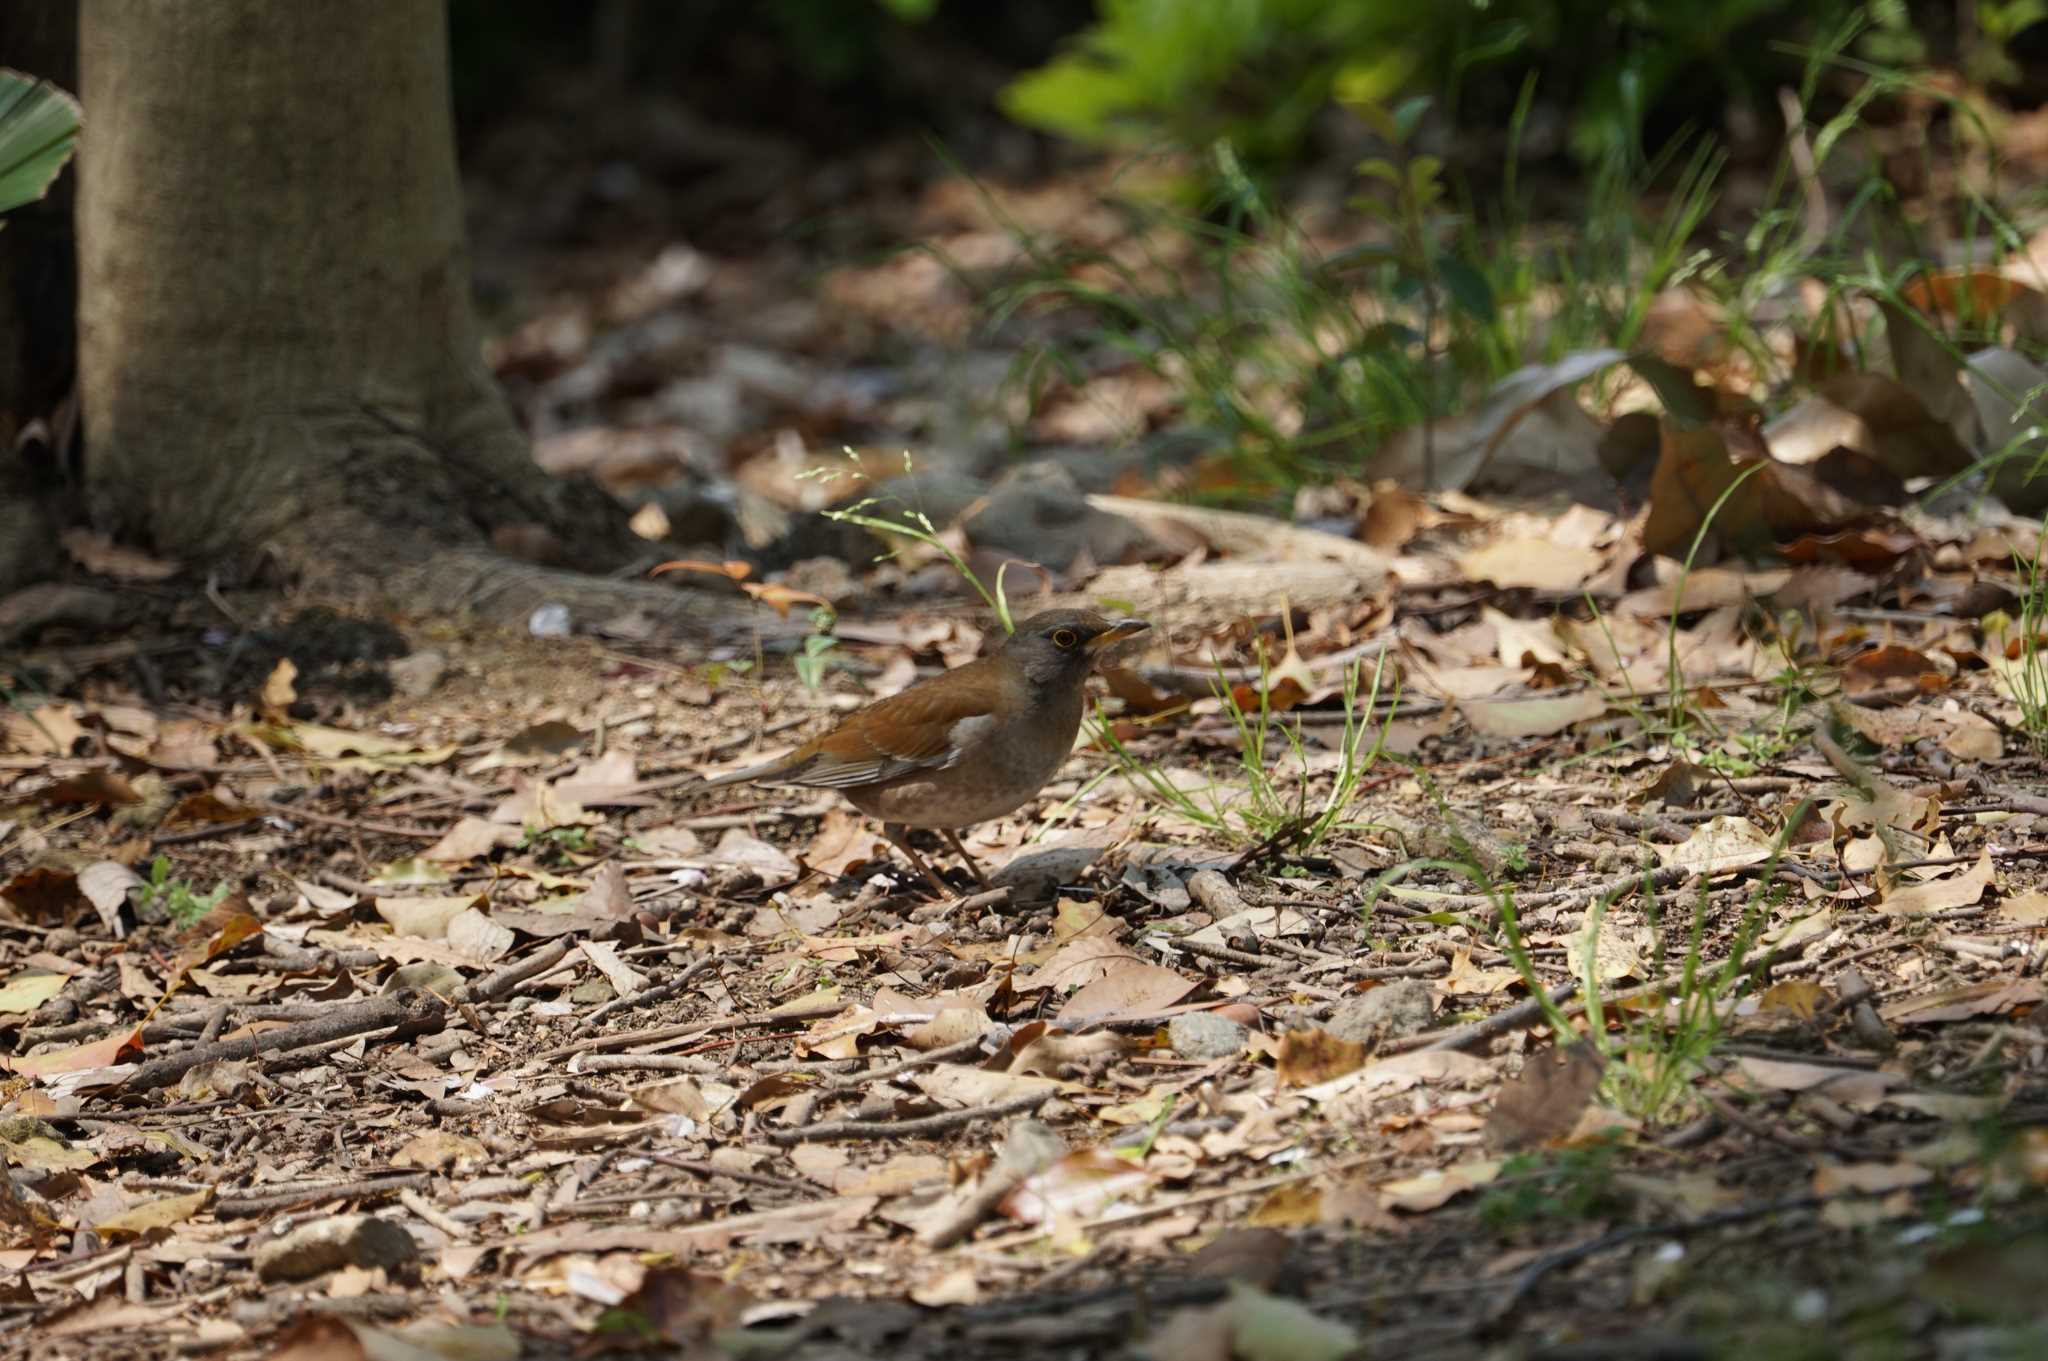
278	359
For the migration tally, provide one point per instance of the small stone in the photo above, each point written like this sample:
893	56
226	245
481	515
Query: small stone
551	621
1204	1035
415	676
325	1244
1388	1012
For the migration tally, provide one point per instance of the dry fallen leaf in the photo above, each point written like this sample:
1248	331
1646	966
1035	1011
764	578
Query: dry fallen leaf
1544	1100
1939	895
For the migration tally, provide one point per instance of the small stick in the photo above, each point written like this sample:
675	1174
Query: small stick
909	1129
406	1007
512	975
364	1189
692	1030
648	996
883	1074
651	1063
1520	1014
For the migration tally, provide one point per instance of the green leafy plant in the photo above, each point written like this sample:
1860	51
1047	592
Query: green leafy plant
1260	72
916	526
557	842
1258	804
2022	668
1664	1045
38	130
816	657
1565	1186
1403	195
161	897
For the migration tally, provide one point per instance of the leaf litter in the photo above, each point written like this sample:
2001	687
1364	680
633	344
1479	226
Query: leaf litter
499	1036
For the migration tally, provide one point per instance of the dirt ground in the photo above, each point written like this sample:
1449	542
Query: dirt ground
376	985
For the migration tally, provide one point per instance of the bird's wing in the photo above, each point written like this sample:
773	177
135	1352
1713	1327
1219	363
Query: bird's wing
927	727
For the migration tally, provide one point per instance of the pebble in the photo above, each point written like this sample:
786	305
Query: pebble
1388	1012
1205	1035
416	675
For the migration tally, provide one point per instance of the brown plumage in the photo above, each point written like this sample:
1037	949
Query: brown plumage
961	748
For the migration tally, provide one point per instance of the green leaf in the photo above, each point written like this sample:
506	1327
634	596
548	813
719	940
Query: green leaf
1422	178
38	128
1379	168
1467	287
1408	114
911	11
1686	402
1355	257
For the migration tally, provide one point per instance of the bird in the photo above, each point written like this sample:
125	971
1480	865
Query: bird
963	747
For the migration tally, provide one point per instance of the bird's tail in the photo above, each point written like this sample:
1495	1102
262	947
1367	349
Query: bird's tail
765	771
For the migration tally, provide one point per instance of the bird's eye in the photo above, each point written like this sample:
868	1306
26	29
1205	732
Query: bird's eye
1065	638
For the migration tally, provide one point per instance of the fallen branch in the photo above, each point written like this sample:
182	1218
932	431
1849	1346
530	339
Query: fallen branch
365	1188
409	1007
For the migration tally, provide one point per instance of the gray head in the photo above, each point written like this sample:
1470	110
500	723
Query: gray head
1060	647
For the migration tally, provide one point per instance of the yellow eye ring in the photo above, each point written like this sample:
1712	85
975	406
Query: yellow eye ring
1065	638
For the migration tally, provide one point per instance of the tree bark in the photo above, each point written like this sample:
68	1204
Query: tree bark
278	359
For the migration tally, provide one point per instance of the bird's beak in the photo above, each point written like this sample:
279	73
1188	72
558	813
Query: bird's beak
1116	633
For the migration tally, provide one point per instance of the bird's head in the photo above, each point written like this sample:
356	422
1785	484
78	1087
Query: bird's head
1060	647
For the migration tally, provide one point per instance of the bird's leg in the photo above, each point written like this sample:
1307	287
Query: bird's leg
973	868
900	835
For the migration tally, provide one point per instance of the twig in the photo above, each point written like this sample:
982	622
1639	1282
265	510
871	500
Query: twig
1520	1014
910	1129
648	996
292	810
693	1030
648	1063
931	1056
407	1007
512	975
364	1189
201	833
1666	877
707	1170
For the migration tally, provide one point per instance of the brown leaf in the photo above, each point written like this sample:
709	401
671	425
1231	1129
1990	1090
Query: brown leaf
1081	1183
1537	563
1778	500
98	785
1993	997
227	925
1315	1055
844	839
1889	668
44	894
46	730
1543	1102
1798	997
102	1053
1939	895
471	838
1133	989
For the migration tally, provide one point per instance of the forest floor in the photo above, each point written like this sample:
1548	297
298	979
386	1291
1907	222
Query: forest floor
378	986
